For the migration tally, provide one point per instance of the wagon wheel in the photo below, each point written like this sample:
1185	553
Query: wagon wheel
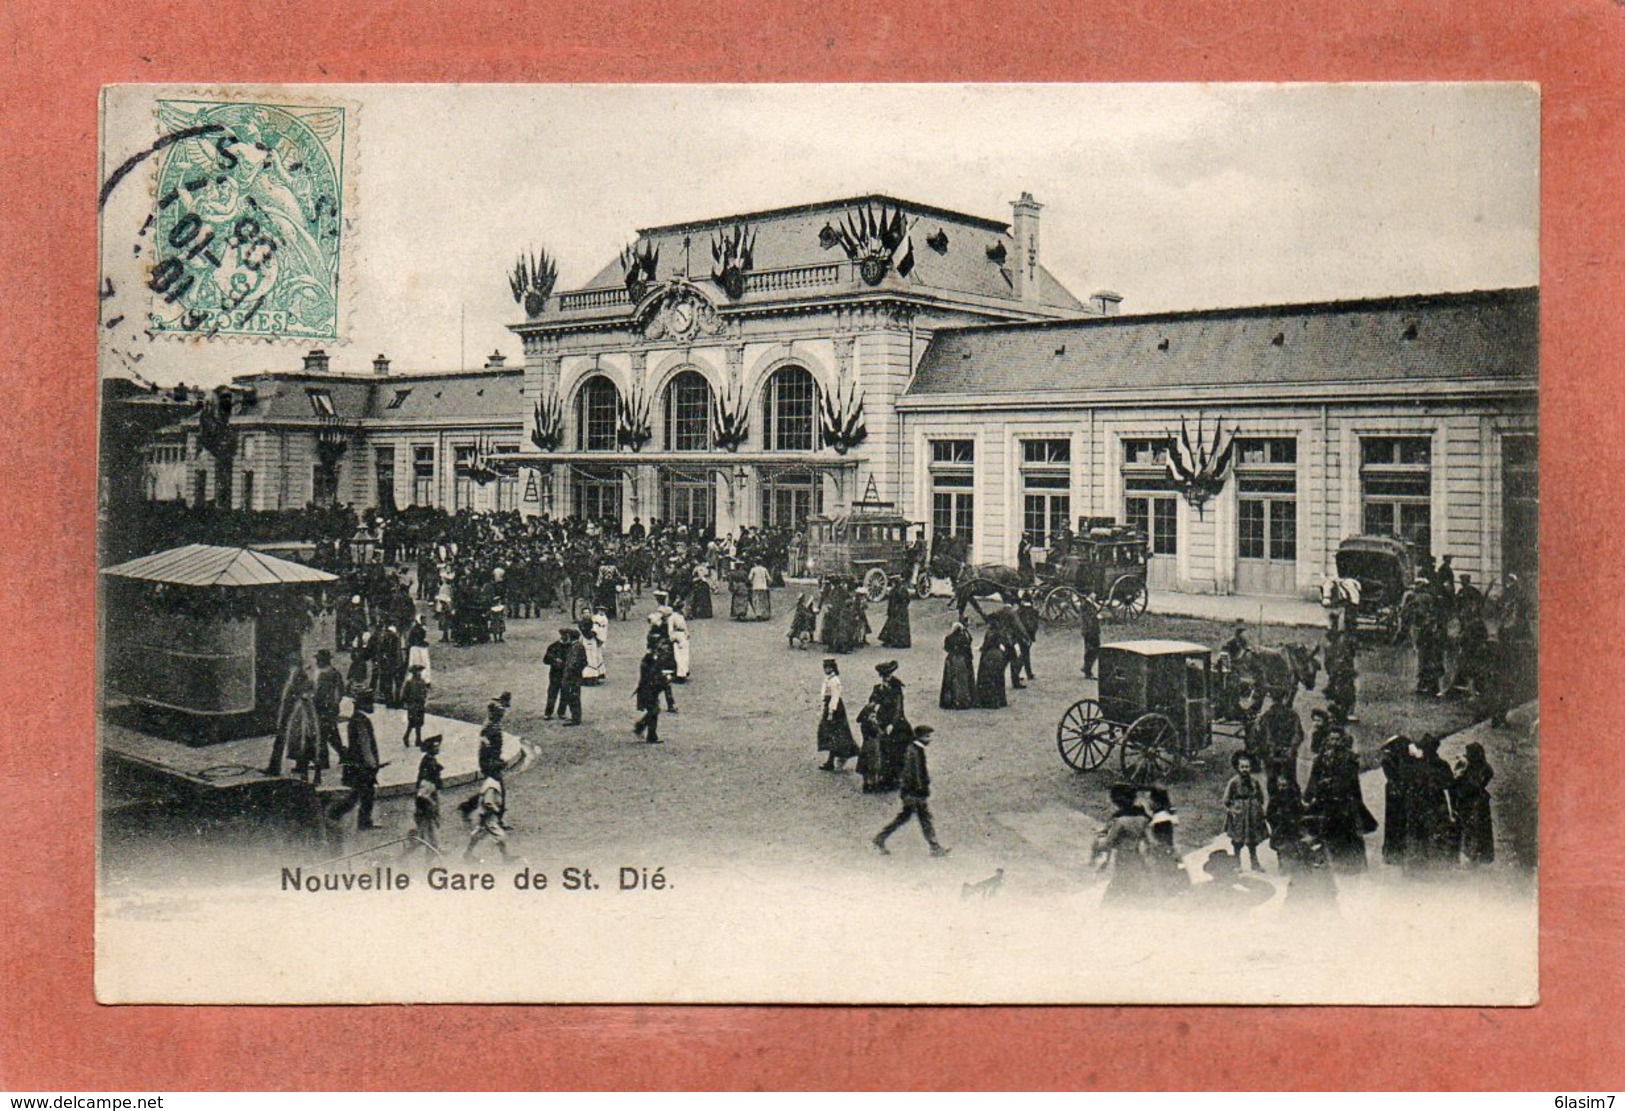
875	584
922	585
1128	596
1084	736
1061	606
1150	749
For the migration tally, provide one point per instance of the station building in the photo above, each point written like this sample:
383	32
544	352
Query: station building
756	369
1412	417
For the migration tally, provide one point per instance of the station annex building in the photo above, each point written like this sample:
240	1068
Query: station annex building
702	375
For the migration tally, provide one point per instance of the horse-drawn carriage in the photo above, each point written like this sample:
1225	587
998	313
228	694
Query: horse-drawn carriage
1385	569
1157	707
1160	702
870	546
1107	560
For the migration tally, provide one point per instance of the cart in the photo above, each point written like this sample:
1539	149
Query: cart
1156	709
869	546
1107	560
1386	571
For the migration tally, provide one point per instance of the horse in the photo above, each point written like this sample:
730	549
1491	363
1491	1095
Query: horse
1277	672
984	581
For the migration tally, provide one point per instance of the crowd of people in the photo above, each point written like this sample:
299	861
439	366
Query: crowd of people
475	572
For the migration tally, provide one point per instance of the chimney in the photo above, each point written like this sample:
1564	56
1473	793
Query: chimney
316	361
1024	264
496	361
1105	302
380	366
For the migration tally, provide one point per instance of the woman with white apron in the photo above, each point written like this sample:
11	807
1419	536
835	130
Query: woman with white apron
677	629
594	671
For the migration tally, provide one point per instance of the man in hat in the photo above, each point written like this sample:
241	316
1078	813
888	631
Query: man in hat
1027	615
491	802
575	663
360	765
1089	622
490	753
555	657
1237	646
915	790
415	697
328	697
652	683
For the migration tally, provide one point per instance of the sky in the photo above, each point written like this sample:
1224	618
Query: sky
1175	196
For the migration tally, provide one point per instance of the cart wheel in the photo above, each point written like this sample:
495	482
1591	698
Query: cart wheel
1128	597
1061	606
922	585
1084	736
875	584
1150	749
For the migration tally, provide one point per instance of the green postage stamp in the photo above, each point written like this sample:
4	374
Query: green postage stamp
248	221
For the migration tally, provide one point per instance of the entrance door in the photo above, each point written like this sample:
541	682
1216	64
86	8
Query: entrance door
689	500
1157	515
1266	547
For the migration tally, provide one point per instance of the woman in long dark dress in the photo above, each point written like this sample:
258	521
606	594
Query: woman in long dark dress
699	596
1470	794
738	595
895	632
1397	765
834	732
1430	833
1333	797
990	672
958	671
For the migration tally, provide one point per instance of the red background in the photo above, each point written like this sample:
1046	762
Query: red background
54	1036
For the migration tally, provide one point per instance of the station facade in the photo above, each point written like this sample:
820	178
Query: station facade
1412	417
719	372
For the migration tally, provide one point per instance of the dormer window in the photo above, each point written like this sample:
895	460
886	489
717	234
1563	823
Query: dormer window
321	402
399	399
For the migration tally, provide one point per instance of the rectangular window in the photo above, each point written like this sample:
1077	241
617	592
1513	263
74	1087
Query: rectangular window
1145	453
507	484
1267	499
953	482
1046	483
1046	452
248	490
1396	488
1520	505
324	485
383	472
321	402
423	474
462	486
1150	503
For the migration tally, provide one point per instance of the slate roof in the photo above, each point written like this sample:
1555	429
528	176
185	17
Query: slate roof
788	237
208	565
1481	334
447	396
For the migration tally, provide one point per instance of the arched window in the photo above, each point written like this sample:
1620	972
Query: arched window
597	414
790	411
688	413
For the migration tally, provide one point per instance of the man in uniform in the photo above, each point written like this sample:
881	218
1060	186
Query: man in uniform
415	697
914	786
360	766
555	656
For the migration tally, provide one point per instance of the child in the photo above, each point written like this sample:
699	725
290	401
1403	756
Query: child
426	804
1167	869
1244	810
489	823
